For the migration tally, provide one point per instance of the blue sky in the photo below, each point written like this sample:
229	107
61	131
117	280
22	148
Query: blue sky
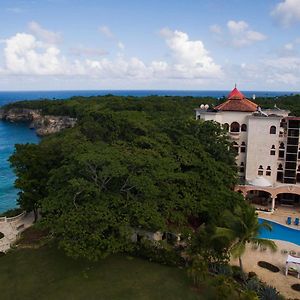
170	44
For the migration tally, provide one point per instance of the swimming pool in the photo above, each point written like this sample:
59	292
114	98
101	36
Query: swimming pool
280	232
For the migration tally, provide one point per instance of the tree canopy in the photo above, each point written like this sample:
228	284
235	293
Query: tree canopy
127	164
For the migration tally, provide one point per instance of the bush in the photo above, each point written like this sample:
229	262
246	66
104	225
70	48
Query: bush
12	212
237	273
268	266
1	235
269	293
220	269
156	252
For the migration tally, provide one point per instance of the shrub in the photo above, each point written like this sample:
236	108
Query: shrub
220	269
269	293
253	284
268	266
12	212
237	273
156	252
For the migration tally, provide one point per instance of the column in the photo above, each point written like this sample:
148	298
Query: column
273	204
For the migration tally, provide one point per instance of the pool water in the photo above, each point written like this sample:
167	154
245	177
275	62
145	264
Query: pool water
280	232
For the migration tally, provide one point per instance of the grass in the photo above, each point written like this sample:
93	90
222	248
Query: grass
46	273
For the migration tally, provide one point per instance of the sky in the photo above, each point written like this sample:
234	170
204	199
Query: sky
143	44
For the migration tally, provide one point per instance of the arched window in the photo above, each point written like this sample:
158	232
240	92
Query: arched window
273	130
272	152
280	167
235	127
260	170
244	127
226	126
281	146
268	172
243	147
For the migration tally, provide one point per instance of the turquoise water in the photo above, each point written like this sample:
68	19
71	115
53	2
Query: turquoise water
280	232
11	134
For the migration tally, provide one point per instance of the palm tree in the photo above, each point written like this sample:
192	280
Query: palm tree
242	227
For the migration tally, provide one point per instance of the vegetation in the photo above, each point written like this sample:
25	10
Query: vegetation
12	212
142	165
47	273
268	266
126	165
243	228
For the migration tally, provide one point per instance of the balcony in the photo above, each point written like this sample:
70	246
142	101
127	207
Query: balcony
234	135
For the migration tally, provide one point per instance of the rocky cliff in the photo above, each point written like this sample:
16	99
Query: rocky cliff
43	124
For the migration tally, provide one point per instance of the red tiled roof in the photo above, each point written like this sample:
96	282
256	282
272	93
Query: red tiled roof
237	102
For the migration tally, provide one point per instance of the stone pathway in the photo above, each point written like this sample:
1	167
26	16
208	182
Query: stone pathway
12	230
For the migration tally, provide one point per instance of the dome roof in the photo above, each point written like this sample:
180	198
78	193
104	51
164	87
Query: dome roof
236	101
260	181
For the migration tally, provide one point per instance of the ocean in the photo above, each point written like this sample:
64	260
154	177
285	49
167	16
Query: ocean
17	133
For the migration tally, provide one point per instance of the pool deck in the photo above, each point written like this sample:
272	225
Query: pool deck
279	280
280	215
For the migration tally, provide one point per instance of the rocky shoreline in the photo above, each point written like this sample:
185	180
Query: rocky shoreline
43	124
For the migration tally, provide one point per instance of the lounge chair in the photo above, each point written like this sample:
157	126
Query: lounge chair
296	222
289	220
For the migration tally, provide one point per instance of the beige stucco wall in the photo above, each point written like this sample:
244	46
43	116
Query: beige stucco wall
259	143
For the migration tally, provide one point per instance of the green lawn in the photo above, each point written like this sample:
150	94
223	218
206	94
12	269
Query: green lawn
47	273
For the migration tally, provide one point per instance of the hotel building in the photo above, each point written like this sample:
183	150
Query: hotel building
267	146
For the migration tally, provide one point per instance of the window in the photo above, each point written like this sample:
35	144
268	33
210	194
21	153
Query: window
268	172
273	130
198	117
279	176
281	146
281	154
280	167
236	147
244	127
243	147
242	168
235	127
260	170
226	126
272	152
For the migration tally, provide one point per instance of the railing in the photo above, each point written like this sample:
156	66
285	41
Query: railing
13	219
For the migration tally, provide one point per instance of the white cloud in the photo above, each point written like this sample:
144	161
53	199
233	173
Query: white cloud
289	46
190	58
215	29
241	35
121	45
237	27
105	30
30	55
287	12
44	34
25	55
87	51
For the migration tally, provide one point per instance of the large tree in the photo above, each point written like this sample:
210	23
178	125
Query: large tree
124	169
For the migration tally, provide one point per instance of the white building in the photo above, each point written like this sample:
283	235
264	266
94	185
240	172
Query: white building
267	146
